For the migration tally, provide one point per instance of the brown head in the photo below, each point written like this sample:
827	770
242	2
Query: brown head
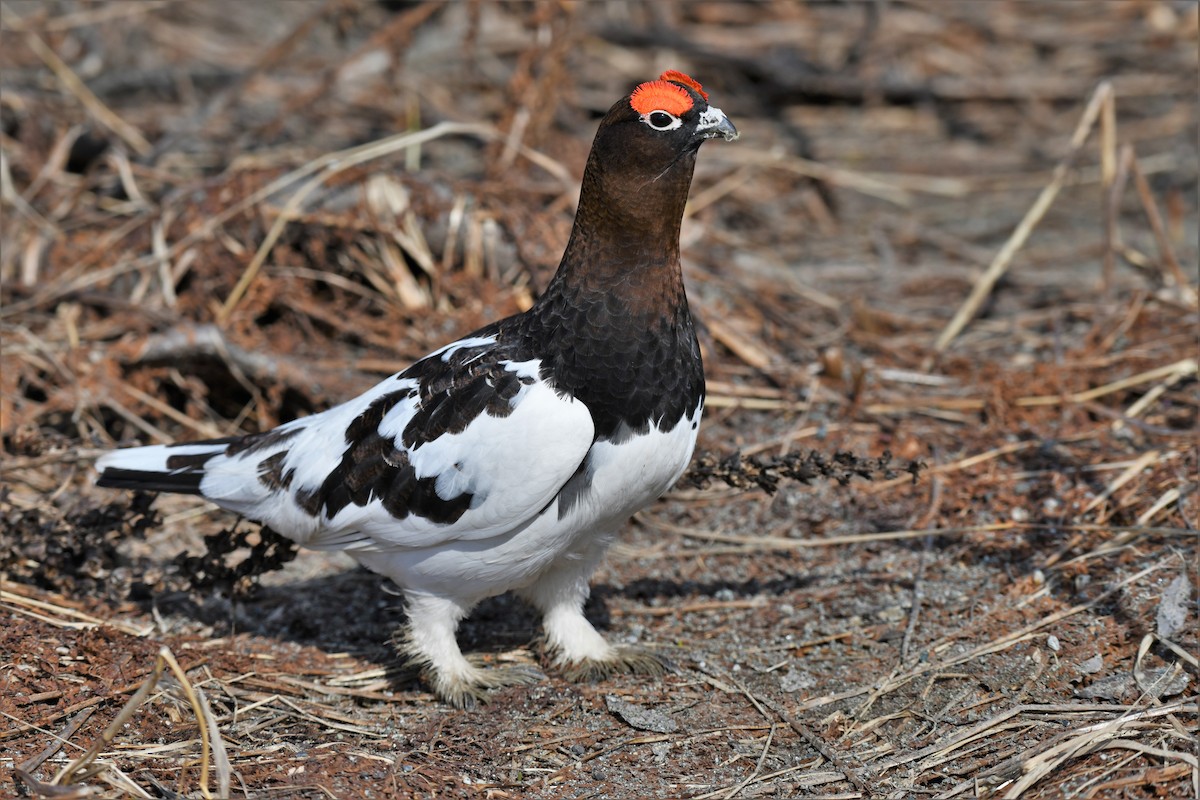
639	171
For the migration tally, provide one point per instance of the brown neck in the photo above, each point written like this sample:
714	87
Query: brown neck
612	329
626	235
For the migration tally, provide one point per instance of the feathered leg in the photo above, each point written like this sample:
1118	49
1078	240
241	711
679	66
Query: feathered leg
578	647
429	642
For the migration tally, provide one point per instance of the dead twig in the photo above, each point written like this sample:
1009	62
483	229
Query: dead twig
165	662
71	82
331	164
1000	264
1165	251
758	472
830	755
56	744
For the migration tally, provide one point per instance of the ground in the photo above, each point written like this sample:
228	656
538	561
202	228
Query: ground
962	234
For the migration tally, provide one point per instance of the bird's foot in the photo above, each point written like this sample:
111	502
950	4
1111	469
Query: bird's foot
475	685
619	659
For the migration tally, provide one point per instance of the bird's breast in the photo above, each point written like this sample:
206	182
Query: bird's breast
624	473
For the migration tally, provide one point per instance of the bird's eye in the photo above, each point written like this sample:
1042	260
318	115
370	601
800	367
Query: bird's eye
662	120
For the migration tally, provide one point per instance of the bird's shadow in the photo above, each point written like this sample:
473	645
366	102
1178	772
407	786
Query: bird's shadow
358	612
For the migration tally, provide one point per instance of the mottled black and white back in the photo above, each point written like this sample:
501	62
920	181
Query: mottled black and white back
505	461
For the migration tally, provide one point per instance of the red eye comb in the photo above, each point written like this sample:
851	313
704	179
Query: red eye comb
675	76
661	95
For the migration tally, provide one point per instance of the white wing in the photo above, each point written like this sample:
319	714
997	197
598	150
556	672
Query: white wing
464	445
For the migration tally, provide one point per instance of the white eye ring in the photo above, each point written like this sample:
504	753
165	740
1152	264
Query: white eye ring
662	120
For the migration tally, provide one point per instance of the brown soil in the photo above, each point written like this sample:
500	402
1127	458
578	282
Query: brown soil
1018	621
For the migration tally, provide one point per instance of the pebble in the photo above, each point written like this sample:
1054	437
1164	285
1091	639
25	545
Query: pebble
794	681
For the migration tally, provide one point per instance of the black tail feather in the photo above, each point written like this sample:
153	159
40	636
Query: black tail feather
148	481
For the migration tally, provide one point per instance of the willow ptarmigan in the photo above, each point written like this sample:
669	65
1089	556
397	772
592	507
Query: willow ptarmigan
506	460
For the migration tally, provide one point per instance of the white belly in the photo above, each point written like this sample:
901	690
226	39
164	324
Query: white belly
622	478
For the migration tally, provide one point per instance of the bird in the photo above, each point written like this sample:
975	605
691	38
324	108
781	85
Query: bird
509	459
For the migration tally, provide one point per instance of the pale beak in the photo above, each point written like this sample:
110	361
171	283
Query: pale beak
714	123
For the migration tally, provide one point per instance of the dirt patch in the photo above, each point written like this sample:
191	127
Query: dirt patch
184	257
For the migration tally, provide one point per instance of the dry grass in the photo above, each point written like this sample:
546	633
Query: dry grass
961	234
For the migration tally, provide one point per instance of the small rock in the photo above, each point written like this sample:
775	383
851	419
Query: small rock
891	614
1123	687
1114	687
1173	607
1092	665
644	719
1164	682
794	681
